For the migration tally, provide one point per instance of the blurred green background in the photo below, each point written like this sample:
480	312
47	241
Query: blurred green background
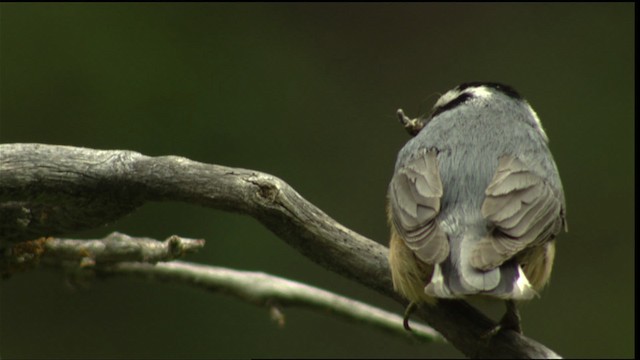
308	92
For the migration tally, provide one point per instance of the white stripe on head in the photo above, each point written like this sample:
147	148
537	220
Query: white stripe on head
480	92
475	91
447	97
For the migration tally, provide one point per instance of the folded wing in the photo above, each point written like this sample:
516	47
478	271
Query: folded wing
415	193
523	208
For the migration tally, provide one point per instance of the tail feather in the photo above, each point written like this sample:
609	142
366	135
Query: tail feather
474	280
455	277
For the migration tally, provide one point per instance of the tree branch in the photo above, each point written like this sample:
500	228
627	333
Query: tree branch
271	291
47	190
115	247
119	254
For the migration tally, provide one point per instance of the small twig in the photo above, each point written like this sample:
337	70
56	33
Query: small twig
115	247
266	290
121	254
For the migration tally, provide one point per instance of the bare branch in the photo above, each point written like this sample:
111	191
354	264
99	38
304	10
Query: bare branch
273	292
47	190
115	247
119	254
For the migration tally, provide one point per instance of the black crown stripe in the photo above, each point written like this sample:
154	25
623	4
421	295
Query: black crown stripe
451	104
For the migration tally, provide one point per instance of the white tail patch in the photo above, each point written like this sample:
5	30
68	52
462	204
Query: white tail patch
437	287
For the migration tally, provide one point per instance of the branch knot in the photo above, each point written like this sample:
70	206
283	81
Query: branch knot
268	188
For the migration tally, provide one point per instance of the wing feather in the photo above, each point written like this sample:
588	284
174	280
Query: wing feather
523	208
415	192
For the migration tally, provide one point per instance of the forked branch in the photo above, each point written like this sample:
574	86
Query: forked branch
47	190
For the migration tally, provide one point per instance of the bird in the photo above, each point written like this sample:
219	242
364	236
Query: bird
475	202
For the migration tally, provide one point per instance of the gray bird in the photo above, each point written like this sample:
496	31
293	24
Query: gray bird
475	202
